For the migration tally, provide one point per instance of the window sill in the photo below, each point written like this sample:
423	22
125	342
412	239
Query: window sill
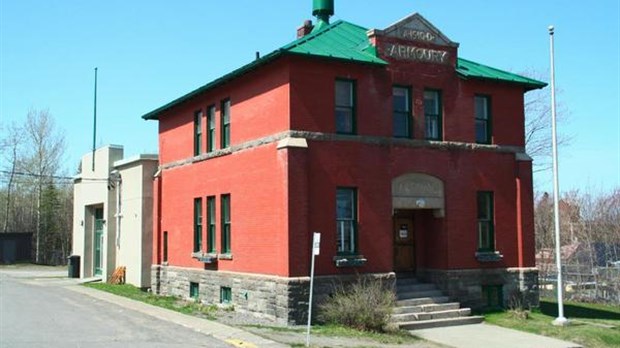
205	258
350	260
489	256
225	257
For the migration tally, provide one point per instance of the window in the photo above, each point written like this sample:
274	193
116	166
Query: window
225	115
197	132
211	128
225	207
225	295
493	296
486	239
197	224
165	251
482	105
211	224
194	290
432	114
346	220
401	120
345	106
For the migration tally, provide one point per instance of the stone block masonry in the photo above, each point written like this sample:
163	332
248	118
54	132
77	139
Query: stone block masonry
466	285
281	299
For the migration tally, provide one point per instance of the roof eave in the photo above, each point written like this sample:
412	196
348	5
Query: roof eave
526	85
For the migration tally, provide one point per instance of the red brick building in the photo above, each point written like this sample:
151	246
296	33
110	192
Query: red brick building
406	157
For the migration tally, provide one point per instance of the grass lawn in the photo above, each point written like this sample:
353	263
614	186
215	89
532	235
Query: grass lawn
395	338
591	325
168	302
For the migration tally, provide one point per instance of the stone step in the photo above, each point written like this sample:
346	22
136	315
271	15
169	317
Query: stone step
453	313
415	287
422	301
407	281
426	324
433	307
418	294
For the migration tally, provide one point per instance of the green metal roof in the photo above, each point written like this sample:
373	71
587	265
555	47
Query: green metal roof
339	40
345	41
468	69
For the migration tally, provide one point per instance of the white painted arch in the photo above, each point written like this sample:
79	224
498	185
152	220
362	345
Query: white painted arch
418	191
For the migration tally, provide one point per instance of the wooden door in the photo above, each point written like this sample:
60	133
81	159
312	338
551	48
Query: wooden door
404	245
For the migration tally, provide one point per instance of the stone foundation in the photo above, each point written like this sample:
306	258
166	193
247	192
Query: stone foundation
466	285
281	299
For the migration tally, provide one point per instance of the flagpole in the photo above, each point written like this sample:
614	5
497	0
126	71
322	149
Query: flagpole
94	122
560	320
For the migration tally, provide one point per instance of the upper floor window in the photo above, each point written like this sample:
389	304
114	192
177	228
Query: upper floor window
225	116
346	220
345	106
211	128
197	132
482	106
486	235
401	120
432	115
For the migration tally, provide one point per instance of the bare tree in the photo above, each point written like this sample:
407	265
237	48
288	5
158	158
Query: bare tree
538	124
10	145
43	157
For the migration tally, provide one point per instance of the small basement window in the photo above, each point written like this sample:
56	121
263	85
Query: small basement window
492	296
194	290
225	295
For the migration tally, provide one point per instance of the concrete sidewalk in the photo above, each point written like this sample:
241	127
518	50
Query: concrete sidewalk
485	335
231	335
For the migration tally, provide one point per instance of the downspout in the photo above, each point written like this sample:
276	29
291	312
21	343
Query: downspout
115	176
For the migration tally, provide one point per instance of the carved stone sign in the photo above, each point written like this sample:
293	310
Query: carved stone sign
417	35
419	186
407	52
418	191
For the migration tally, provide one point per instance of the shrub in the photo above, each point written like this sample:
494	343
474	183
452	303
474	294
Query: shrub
364	305
516	306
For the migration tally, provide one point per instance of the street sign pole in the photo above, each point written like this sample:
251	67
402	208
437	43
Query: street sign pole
316	243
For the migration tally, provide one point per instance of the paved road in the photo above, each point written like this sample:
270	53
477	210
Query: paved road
42	312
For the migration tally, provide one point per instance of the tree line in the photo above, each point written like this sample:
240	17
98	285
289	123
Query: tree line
34	195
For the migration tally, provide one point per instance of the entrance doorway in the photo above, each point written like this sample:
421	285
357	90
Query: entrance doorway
98	242
404	243
413	194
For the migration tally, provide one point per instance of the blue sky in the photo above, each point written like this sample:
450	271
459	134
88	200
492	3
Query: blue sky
151	52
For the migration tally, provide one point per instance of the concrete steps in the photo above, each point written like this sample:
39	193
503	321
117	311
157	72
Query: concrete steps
422	305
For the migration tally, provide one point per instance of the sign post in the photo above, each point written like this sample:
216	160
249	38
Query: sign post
316	243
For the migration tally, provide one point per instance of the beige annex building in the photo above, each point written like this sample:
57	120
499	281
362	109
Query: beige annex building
113	213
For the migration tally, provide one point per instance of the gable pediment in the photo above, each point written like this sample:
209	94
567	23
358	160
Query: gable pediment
416	28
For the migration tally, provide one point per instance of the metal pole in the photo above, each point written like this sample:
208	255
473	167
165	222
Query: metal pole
310	302
94	122
560	320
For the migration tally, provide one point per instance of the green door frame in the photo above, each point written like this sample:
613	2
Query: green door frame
98	242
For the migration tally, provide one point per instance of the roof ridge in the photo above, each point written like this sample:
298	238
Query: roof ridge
312	36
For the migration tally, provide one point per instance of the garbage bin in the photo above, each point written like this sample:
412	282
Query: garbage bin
74	266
